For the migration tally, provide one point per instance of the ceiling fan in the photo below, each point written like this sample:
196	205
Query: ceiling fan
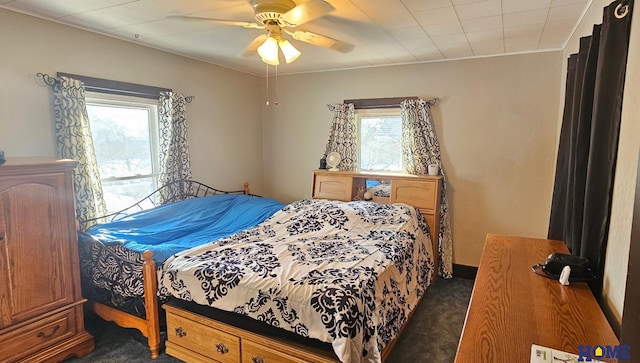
277	17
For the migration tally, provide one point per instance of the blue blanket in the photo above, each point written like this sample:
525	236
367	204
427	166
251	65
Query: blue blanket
175	227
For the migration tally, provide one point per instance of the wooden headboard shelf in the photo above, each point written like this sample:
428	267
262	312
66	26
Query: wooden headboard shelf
420	191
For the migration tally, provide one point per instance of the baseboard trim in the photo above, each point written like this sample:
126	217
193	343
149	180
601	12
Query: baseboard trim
465	272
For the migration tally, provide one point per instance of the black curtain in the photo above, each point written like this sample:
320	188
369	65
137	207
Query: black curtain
585	169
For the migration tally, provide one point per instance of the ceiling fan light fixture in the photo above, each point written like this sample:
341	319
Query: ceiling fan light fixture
268	51
275	16
290	52
271	62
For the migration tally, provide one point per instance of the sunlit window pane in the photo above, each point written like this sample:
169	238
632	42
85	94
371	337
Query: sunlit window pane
123	145
120	194
381	143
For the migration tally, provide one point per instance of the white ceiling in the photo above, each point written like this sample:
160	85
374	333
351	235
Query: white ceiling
384	32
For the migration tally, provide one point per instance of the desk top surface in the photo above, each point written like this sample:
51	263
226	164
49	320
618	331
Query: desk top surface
512	308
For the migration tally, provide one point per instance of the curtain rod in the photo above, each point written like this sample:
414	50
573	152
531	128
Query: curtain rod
101	85
371	103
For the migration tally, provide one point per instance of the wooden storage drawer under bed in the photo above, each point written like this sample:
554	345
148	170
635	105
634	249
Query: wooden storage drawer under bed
258	353
196	338
202	339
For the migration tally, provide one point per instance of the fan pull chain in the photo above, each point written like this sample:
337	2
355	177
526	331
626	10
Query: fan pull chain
276	84
267	102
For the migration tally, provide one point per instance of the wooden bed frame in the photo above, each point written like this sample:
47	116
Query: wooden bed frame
194	337
150	325
228	343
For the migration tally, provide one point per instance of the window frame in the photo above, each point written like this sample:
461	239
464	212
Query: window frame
375	112
107	99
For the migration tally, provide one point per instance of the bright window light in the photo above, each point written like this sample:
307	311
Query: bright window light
380	140
125	142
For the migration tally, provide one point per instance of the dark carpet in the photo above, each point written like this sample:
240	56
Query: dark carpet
431	335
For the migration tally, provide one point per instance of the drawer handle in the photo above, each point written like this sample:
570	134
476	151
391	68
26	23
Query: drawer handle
43	335
257	359
220	347
180	332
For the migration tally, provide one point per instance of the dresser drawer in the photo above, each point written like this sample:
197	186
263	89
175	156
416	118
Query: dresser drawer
202	339
336	187
420	194
257	353
36	336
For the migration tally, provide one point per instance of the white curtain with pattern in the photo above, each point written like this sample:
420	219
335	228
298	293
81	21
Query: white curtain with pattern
74	141
420	148
342	135
175	163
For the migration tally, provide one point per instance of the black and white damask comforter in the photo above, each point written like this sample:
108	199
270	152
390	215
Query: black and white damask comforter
344	273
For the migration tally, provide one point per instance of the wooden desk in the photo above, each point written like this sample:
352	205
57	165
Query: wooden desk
511	307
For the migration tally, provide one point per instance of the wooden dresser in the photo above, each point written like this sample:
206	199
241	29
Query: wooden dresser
41	314
422	191
512	308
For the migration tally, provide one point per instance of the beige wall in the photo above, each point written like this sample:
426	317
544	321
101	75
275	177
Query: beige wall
226	109
496	123
625	179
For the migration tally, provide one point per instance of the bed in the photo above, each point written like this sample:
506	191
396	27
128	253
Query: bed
346	274
120	254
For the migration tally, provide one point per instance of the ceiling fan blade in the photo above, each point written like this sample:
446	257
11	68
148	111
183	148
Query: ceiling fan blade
321	41
253	46
305	12
243	24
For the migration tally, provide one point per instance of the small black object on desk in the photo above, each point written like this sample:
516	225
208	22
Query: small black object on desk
323	163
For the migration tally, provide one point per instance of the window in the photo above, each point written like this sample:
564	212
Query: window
126	143
380	139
